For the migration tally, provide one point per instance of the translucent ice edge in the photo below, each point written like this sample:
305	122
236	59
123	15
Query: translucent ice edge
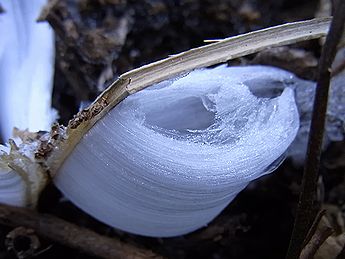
26	68
168	159
15	185
12	188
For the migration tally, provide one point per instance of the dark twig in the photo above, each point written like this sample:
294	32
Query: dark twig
70	235
32	243
314	227
308	205
321	234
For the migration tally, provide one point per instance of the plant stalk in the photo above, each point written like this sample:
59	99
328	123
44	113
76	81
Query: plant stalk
308	205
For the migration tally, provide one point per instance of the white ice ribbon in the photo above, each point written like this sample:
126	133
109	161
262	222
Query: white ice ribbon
168	159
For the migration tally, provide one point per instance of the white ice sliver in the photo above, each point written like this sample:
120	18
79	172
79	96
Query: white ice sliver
168	159
12	187
26	68
26	80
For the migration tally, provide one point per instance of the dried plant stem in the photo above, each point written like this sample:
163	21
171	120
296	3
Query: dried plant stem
322	232
308	204
70	235
211	54
314	227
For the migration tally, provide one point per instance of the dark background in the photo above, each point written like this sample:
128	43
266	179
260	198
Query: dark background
98	40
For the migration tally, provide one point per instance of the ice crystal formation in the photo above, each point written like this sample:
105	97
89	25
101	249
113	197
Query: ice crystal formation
168	159
26	68
26	75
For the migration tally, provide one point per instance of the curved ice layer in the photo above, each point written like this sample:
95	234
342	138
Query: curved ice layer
12	188
168	159
26	68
